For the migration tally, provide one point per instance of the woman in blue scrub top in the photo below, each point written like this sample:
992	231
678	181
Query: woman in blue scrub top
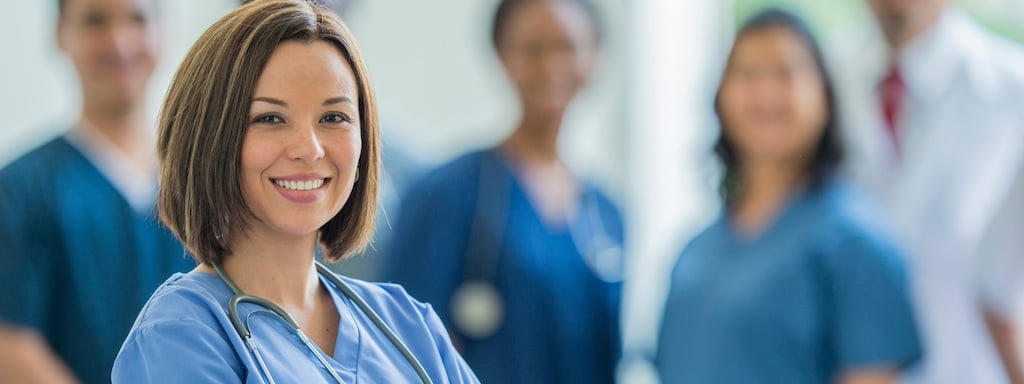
269	149
797	282
521	258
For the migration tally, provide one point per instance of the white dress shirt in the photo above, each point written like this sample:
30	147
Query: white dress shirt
952	186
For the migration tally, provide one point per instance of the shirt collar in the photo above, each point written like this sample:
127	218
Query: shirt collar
931	61
135	185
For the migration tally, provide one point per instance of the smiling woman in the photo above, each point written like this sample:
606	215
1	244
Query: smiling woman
268	147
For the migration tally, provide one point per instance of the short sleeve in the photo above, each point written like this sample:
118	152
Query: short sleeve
872	321
26	259
178	351
454	365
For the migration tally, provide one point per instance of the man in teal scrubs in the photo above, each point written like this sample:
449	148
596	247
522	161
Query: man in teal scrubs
82	248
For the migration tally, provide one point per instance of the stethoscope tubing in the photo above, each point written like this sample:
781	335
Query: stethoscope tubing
238	297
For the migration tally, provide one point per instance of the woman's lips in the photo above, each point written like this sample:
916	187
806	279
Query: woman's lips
301	189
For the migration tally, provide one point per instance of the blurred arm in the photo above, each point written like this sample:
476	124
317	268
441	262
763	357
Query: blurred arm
25	358
870	376
1005	336
1002	258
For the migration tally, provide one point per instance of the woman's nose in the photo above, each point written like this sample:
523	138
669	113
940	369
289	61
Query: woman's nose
305	144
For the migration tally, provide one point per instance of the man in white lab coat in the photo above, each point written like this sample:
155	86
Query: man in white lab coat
933	110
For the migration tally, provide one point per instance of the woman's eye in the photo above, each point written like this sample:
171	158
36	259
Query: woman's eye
268	119
94	19
335	118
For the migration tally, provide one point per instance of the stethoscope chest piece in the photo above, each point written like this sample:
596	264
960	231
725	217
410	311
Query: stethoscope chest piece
605	258
477	309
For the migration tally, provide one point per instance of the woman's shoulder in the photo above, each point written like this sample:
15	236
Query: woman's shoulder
450	184
713	230
183	322
386	298
194	296
855	228
452	174
849	211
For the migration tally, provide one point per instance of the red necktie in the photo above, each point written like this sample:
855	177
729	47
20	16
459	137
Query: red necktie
893	90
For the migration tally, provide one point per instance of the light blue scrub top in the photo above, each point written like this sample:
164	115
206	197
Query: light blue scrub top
822	290
184	335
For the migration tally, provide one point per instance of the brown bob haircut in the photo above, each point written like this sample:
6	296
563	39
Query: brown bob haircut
205	117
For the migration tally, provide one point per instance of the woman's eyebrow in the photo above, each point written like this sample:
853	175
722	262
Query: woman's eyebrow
270	100
337	100
330	101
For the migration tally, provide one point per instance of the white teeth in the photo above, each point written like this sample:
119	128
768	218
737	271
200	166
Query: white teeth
300	185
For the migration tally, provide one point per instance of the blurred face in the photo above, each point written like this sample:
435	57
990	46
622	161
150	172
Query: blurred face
301	149
899	17
113	45
772	101
548	50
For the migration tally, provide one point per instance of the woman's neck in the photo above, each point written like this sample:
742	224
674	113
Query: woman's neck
535	139
764	189
533	151
277	268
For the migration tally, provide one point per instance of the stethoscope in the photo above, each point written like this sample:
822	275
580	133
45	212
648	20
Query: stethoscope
477	305
242	327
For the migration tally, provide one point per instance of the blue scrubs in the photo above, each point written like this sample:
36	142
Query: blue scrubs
560	320
184	335
820	291
77	262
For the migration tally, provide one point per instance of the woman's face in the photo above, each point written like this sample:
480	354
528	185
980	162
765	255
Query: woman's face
548	50
772	101
301	149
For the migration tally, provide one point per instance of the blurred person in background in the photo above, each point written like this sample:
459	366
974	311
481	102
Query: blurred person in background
796	282
82	247
935	122
522	258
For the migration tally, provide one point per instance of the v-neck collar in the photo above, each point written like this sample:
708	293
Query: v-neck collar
517	190
348	345
789	208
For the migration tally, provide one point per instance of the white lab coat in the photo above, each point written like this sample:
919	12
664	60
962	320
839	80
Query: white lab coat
953	186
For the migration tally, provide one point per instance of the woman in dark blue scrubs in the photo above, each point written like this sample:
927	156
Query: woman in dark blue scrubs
797	281
521	258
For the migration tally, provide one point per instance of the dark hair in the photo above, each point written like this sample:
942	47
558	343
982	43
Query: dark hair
204	121
828	152
339	6
62	5
507	7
